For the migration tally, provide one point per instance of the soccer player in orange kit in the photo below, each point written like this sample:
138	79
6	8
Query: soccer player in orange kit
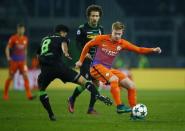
108	46
16	50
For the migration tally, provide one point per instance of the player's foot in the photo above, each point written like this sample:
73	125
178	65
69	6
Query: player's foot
70	105
123	109
5	97
52	117
32	97
104	99
92	112
132	117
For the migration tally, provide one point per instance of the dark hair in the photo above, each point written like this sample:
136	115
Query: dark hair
20	25
93	8
61	27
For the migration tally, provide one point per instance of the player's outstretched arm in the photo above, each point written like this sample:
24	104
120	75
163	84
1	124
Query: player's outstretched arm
141	50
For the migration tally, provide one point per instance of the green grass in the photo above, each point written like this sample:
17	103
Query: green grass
166	112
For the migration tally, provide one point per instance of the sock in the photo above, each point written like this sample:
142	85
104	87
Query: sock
115	91
132	97
7	85
92	100
90	87
78	90
27	88
45	102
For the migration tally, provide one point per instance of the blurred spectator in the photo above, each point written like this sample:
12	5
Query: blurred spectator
143	62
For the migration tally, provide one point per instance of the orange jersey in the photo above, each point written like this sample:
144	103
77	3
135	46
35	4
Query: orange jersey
107	49
17	45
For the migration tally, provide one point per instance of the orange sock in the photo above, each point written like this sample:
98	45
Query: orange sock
27	88
115	91
7	85
132	97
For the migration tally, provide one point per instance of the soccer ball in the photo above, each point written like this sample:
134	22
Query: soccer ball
139	111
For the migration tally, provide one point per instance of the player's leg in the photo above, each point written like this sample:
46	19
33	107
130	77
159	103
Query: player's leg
24	71
43	81
12	70
92	102
103	74
131	89
129	85
90	87
84	71
77	91
73	76
6	87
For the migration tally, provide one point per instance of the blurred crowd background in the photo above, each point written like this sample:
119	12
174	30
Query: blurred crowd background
148	23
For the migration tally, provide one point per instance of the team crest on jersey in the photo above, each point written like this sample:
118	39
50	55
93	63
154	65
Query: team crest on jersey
19	46
78	32
107	74
118	48
103	43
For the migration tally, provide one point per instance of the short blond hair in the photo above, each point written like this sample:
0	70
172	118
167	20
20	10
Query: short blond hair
118	26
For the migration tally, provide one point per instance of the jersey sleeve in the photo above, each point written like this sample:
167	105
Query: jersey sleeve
88	45
80	38
65	39
140	50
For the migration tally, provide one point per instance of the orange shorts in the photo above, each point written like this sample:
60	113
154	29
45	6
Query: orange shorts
103	74
17	65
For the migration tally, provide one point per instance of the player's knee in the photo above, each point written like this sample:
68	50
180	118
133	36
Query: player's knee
131	85
25	76
113	78
81	80
127	83
41	87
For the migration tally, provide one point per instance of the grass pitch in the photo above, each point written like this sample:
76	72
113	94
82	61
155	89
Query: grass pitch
166	112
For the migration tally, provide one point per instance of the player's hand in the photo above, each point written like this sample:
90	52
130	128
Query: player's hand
88	56
157	50
9	58
68	56
78	64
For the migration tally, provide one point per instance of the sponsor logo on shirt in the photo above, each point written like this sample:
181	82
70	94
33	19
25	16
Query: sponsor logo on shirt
78	32
91	36
109	52
118	48
20	46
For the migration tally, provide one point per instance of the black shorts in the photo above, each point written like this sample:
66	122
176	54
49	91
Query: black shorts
49	73
85	69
